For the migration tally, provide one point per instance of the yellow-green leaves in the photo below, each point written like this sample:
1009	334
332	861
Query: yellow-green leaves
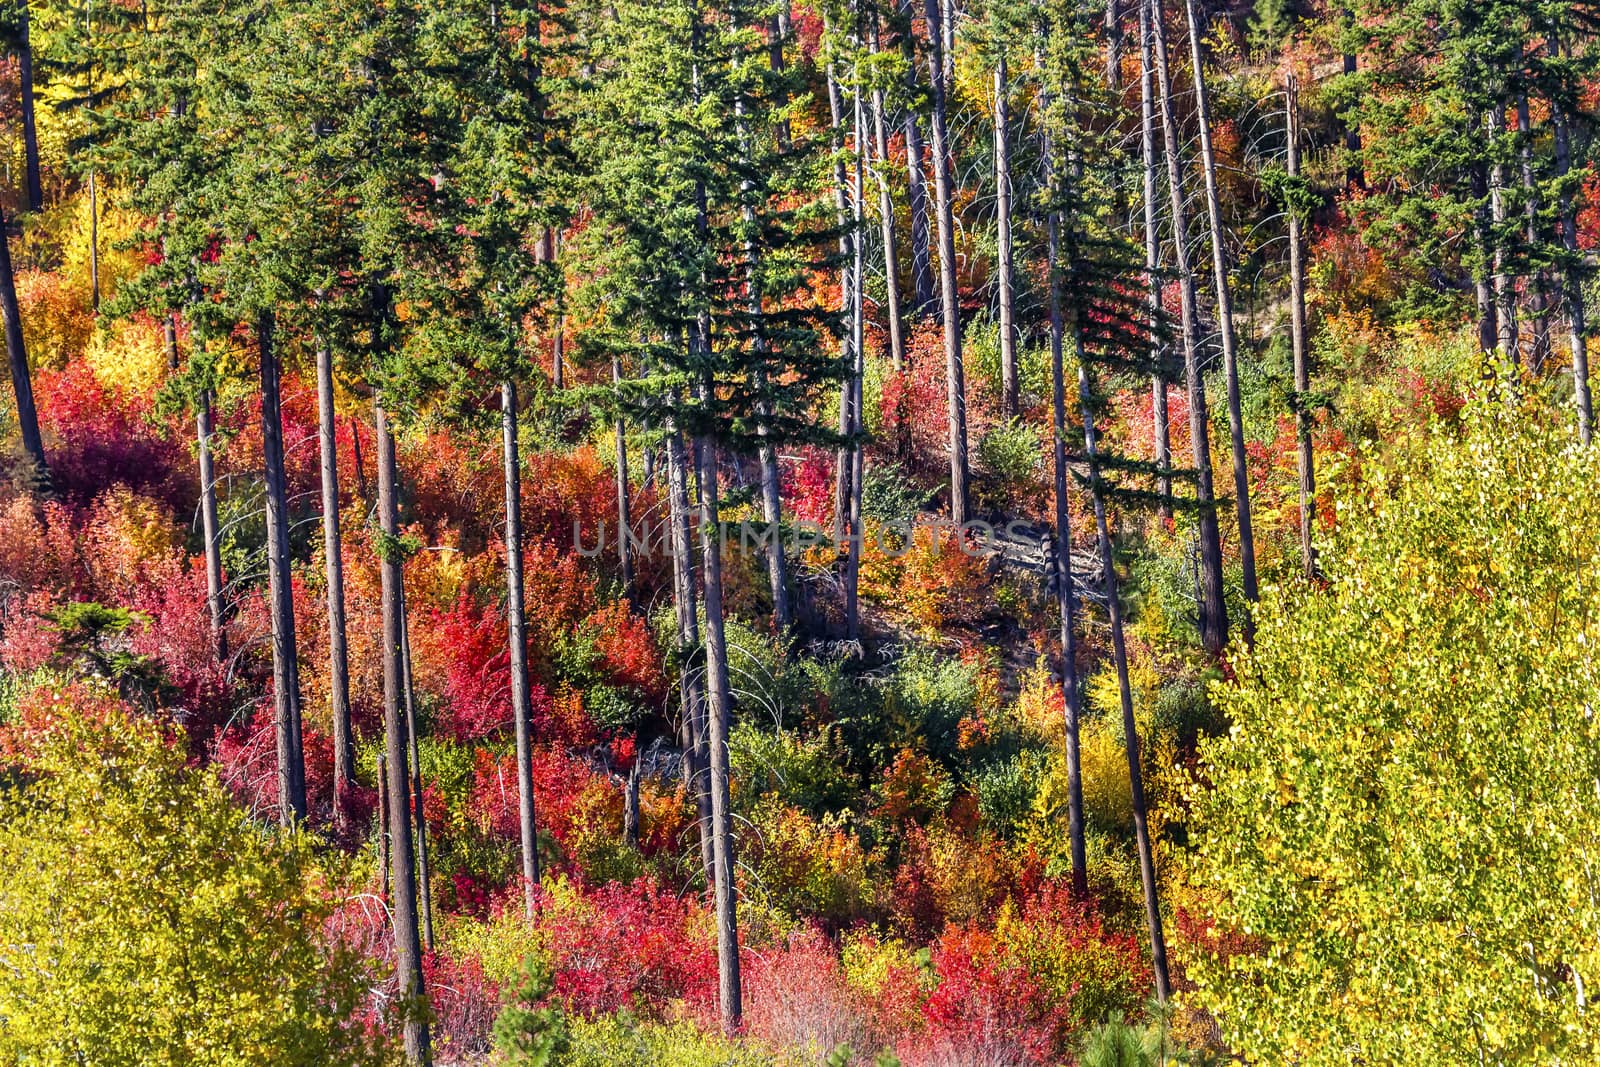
145	921
1405	818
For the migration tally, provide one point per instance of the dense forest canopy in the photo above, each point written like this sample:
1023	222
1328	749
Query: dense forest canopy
950	533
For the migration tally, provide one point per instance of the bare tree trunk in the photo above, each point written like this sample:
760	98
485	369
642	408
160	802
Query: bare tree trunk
21	374
94	242
1130	726
1113	27
1161	423
403	874
361	468
424	870
719	714
891	254
1539	300
777	34
1230	352
771	497
344	750
1573	286
169	337
30	133
630	807
285	668
516	627
1505	290
950	297
849	239
1302	359
1072	698
690	653
383	824
916	182
1213	611
1488	326
210	528
624	521
1010	403
852	567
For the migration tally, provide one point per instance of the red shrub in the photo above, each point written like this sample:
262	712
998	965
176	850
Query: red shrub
632	946
797	997
984	1012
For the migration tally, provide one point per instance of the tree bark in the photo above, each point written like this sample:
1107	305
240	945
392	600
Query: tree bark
1010	403
1213	611
1160	422
1505	290
624	521
1230	351
210	527
285	668
767	455
1573	282
1302	358
690	654
21	375
916	180
516	628
424	869
852	566
30	133
1113	27
402	874
344	750
849	239
94	242
1539	299
950	297
1071	696
891	254
1130	726
719	714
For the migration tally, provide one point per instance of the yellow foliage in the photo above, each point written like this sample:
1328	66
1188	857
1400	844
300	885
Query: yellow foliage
56	321
129	356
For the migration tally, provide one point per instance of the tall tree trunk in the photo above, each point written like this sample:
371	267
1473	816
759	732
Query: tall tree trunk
344	749
767	455
691	657
1539	300
1505	289
916	181
1483	290
1113	28
1160	422
383	824
285	668
849	239
1071	697
517	631
1302	359
950	297
94	241
624	520
1230	351
1130	726
1573	282
852	567
777	35
1009	394
424	869
21	375
402	874
30	133
1213	611
361	468
210	527
1119	649
891	254
719	715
